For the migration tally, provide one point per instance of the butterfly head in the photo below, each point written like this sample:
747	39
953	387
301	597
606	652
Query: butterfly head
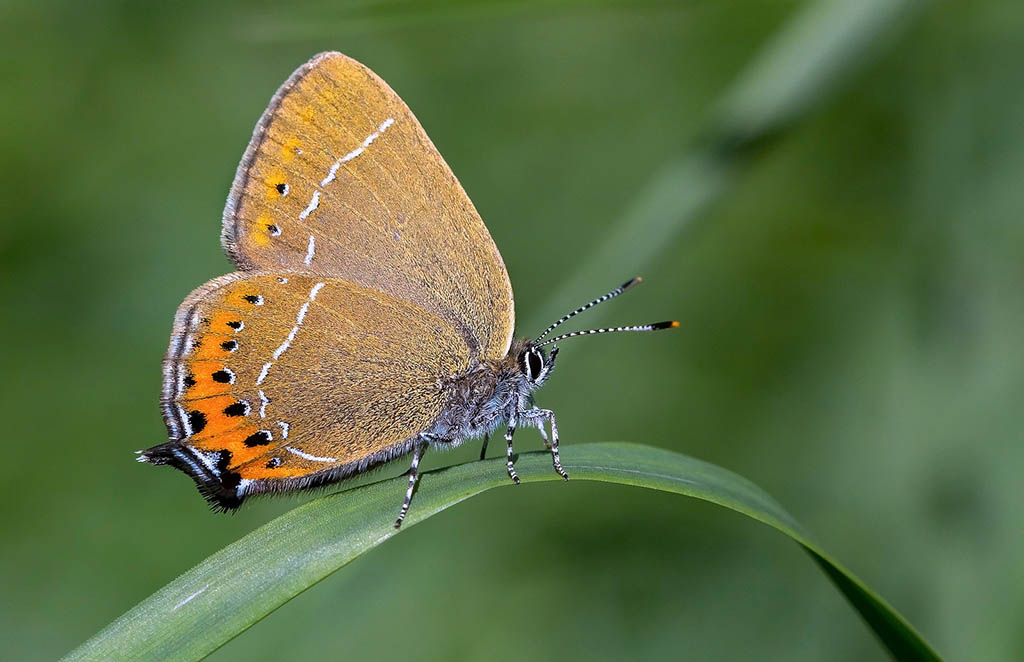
537	364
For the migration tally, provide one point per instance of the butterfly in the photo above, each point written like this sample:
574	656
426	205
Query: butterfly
371	316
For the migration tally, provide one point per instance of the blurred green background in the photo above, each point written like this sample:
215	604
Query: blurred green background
851	299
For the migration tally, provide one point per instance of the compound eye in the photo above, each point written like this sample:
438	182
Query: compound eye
535	364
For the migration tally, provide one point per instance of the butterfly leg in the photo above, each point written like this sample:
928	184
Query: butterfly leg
555	459
510	465
543	432
549	416
414	476
483	449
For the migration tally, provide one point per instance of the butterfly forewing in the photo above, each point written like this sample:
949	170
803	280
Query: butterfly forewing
341	179
275	381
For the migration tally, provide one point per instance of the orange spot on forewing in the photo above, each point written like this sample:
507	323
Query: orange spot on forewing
289	149
212	346
226	322
260	237
275	178
245	298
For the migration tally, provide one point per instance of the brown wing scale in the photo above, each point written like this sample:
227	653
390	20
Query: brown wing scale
277	381
341	179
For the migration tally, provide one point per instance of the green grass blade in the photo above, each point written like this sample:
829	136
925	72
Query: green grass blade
227	593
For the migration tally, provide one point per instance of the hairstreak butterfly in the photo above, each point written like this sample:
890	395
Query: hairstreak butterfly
371	315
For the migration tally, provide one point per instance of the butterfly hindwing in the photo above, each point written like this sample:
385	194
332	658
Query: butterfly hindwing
341	179
277	381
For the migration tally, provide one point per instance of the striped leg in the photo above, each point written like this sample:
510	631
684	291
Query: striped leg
543	433
414	476
511	430
483	449
555	459
548	415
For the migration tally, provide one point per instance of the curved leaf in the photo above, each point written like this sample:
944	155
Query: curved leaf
221	597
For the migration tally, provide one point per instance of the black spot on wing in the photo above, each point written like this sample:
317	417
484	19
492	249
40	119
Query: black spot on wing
228	479
196	421
261	438
237	409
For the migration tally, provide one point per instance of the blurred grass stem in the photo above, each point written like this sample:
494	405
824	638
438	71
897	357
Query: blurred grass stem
795	73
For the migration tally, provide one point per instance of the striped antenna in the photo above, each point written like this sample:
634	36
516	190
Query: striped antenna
641	327
601	299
